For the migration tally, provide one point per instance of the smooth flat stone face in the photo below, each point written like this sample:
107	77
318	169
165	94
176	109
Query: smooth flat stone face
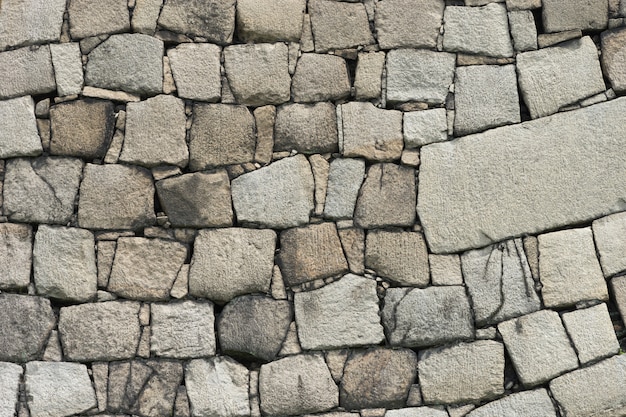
527	178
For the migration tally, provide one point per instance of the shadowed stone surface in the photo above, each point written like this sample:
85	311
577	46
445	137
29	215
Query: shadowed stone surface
270	20
614	57
307	128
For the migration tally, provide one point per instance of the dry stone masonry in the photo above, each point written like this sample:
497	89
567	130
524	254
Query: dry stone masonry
320	208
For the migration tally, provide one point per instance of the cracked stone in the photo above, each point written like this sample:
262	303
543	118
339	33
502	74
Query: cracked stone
307	128
30	22
17	120
213	19
270	20
26	71
339	25
344	181
526	403
614	58
408	24
576	14
320	77
196	71
92	17
15	255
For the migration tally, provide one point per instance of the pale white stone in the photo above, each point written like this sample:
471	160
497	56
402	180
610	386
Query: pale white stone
523	30
424	127
610	236
445	269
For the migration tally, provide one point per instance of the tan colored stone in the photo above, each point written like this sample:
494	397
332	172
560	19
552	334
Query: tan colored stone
401	257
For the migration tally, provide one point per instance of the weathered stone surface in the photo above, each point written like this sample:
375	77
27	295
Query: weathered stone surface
254	325
419	75
344	181
523	4
116	197
297	385
30	22
113	64
371	132
270	20
369	73
339	25
25	325
307	128
401	257
18	128
618	286
58	389
578	14
41	190
26	71
521	404
258	73
608	233
614	58
217	387
417	412
592	332
182	330
573	71
569	268
341	314
231	262
445	269
492	185
464	30
100	331
538	346
213	19
15	255
10	375
467	372
82	128
408	24
387	197
145	15
320	168
523	30
196	71
377	378
424	127
311	252
597	390
320	77
93	17
278	196
264	118
68	68
353	243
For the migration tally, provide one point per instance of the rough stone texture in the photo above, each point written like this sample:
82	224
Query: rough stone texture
155	132
523	4
196	71
297	385
492	185
41	190
254	325
408	24
579	14
201	199
278	196
370	132
597	390
82	128
320	77
58	389
15	255
608	235
592	332
217	387
435	315
538	346
445	269
25	325
94	17
26	71
569	268
339	25
100	331
182	330
231	262
311	252
401	257
258	73
341	314
307	128
264	118
10	375
467	372
353	243
526	403
614	58
551	78
145	15
419	75
424	127
30	22
270	20
417	412
523	30
68	68
369	73
213	19
17	120
113	64
377	378
116	197
387	197
344	181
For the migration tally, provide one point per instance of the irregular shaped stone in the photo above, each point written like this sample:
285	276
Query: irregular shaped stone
387	197
523	4
424	127
401	257
18	128
68	68
297	385
155	396
344	181
113	64
377	378
408	24
264	118
578	14
607	233
353	243
30	22
614	58
82	128
368	77
339	25
15	255
492	185
307	128
100	331
320	77
258	73
341	314
213	19
231	262
27	71
538	346
254	325
10	375
592	332
523	30
196	71
270	20
145	15
526	403
279	195
41	190
569	268
419	75
93	17
311	252
116	197
445	269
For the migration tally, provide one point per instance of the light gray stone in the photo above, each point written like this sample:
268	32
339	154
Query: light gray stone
416	317
213	19
113	64
417	412
608	234
341	314
26	71
408	24
618	285
145	15
278	196
196	71
573	71
445	269
344	181
68	68
231	262
15	255
492	185
467	372
577	14
614	58
30	22
369	74
545	40
339	25
270	20
523	4
18	128
538	346
592	332
521	404
297	385
419	75
320	77
424	127
401	257
523	30
307	128
10	375
93	17
569	268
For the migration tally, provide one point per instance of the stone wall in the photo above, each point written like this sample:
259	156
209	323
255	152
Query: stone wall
376	208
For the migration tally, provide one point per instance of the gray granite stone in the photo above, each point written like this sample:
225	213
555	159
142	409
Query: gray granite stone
145	15
15	255
213	19
577	14
424	127
445	269
196	71
614	58
408	24
27	71
94	17
417	412
68	68
369	74
400	257
307	128
521	404
30	22
344	181
270	20
320	77
17	120
608	235
10	375
523	30
339	25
